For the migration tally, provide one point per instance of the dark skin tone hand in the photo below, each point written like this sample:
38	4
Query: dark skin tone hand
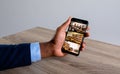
53	47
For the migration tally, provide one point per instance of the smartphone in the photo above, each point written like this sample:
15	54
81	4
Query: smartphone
75	36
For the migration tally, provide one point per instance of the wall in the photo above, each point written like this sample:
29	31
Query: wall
103	15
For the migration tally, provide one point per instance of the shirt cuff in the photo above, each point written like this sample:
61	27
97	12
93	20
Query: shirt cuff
35	52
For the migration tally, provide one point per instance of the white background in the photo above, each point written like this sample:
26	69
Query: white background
103	16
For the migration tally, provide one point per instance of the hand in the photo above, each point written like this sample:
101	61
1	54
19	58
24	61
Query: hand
53	47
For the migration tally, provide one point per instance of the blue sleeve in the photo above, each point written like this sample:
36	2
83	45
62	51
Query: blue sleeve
35	51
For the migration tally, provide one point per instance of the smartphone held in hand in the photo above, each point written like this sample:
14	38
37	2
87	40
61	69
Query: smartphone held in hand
75	36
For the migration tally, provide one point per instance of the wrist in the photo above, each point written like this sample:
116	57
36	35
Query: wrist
46	49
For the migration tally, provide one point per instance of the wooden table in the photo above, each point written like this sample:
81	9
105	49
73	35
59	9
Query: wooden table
98	58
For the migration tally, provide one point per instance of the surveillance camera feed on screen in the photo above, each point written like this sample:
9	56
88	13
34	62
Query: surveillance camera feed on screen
75	36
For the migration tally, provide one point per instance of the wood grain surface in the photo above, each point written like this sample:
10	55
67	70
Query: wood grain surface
98	57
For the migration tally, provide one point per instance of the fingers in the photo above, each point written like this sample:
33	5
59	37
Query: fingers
83	46
66	24
87	34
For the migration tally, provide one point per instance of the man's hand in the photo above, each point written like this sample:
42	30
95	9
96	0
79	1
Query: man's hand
53	47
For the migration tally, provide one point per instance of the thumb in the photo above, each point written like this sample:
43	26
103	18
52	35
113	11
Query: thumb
66	24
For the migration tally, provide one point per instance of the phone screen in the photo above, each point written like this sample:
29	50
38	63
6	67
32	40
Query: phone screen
74	37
